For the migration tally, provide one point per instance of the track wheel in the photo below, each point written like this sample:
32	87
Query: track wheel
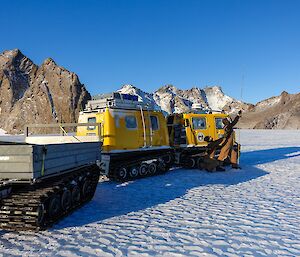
122	173
54	206
86	190
200	164
190	163
168	159
162	166
75	195
66	200
40	215
152	168
133	172
143	169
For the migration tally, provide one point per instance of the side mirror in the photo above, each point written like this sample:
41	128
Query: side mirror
186	123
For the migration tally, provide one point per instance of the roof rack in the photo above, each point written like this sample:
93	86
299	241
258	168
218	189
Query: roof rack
198	108
115	100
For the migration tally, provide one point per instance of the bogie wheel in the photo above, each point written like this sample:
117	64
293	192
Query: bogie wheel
75	195
54	207
133	172
190	163
200	164
66	200
152	168
122	173
168	159
143	169
86	190
40	214
162	166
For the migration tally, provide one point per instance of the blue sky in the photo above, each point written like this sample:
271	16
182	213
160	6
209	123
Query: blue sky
153	43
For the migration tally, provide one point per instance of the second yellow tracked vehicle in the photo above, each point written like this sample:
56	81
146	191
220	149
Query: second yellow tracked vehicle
135	137
190	132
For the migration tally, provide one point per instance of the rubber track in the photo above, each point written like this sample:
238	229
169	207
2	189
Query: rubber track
20	210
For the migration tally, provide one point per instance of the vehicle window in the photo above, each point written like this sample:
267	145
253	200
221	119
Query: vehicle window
199	123
130	122
154	122
219	123
91	120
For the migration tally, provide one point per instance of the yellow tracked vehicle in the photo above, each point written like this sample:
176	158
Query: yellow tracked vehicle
189	134
135	137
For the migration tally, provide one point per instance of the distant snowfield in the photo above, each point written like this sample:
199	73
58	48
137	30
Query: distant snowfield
251	212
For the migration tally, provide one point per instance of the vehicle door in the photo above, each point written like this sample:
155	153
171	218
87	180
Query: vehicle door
155	131
219	127
200	129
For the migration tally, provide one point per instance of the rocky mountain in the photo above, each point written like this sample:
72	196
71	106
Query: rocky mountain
37	94
280	112
173	100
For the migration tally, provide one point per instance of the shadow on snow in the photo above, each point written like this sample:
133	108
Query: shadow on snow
113	199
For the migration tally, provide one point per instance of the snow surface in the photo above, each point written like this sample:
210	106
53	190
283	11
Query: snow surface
251	212
2	132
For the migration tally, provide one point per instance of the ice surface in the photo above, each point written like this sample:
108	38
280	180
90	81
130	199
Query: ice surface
251	212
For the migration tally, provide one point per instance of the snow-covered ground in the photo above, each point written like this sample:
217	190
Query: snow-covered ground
251	212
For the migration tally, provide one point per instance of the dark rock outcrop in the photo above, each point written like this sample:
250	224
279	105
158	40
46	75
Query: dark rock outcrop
37	94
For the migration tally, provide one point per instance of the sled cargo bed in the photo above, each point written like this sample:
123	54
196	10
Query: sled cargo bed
21	161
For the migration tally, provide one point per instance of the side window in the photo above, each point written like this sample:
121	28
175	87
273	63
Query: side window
91	120
154	122
199	123
219	123
130	122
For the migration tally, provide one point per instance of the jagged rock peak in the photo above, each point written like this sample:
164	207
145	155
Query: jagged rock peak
284	97
49	61
214	88
168	88
37	94
14	58
128	87
12	53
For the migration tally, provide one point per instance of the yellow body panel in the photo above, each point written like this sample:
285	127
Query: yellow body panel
119	132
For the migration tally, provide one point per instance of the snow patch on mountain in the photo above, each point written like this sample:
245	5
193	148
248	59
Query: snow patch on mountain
216	99
268	103
144	97
170	99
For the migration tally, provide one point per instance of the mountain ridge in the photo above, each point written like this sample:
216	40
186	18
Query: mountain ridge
49	93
